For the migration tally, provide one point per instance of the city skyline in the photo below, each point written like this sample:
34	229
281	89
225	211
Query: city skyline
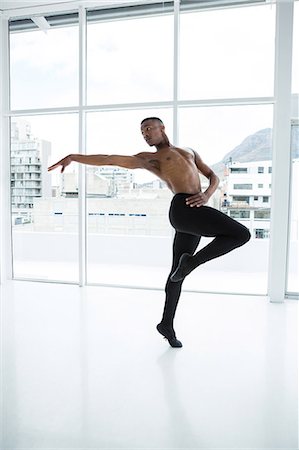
143	177
244	192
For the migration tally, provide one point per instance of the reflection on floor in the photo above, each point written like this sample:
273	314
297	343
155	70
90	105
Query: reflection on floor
85	368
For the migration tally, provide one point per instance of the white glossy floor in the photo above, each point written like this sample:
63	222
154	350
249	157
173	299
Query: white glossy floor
85	368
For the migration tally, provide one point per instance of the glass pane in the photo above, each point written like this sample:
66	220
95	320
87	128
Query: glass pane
293	253
293	257
129	236
44	68
227	53
295	66
44	204
236	142
130	60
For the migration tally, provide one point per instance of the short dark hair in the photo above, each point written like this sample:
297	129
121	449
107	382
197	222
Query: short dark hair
152	118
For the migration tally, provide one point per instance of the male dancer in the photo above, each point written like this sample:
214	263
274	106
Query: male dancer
190	218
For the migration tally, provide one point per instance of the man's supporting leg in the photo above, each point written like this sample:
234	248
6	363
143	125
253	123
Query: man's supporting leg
182	243
229	234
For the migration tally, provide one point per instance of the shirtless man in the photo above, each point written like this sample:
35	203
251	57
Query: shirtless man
190	218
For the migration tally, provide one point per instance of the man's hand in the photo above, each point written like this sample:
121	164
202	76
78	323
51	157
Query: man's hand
63	162
197	200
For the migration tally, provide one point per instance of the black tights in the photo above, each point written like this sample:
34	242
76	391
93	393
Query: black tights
190	224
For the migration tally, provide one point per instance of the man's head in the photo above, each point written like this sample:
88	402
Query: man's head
152	129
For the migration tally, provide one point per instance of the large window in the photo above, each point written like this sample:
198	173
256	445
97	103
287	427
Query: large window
293	254
130	60
293	266
129	235
210	77
44	205
44	68
234	140
227	53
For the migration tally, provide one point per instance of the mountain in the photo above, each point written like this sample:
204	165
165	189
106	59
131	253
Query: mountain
256	147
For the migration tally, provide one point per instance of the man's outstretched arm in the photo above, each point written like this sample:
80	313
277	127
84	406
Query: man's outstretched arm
129	162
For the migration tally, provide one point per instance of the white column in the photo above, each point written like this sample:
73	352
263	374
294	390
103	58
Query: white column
82	146
176	40
5	205
281	152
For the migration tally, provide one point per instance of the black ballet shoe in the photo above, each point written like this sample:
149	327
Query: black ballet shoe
181	270
169	335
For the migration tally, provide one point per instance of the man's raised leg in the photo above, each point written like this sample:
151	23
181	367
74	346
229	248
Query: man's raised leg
229	234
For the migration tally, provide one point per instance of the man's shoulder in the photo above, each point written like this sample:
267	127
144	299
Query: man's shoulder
144	155
186	151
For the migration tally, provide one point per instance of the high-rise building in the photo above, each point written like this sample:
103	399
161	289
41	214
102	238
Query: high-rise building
29	176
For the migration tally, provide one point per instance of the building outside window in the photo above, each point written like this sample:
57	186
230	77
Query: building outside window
260	233
238	169
242	186
29	179
262	214
239	214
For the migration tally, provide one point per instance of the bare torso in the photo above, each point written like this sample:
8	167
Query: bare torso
176	167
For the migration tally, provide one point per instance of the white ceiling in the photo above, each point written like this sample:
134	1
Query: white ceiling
14	4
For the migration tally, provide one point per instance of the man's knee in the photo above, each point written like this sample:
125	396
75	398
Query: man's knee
244	235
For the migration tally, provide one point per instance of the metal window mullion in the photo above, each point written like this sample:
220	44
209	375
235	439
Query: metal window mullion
82	147
6	271
42	111
238	101
281	152
176	43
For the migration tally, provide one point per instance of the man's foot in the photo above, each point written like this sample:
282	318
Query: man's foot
182	268
169	334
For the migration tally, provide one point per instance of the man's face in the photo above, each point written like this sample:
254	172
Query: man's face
152	131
